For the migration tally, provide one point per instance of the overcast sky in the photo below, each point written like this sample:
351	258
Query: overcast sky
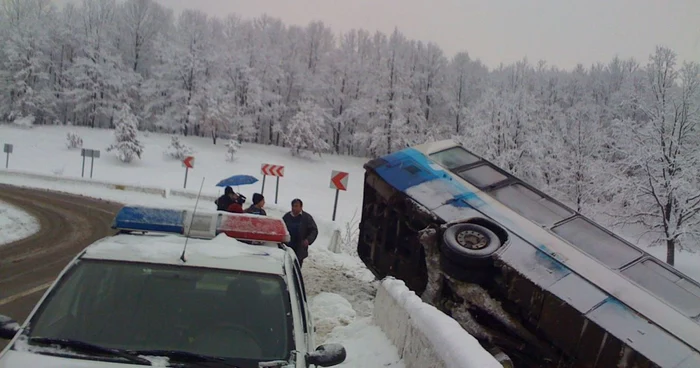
562	32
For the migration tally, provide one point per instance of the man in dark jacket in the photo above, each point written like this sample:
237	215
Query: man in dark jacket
257	207
302	229
223	202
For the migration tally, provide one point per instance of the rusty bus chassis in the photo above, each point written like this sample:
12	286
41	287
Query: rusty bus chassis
506	312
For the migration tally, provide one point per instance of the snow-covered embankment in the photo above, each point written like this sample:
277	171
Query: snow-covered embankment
423	335
15	224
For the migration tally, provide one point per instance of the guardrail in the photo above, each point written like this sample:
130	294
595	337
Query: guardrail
423	335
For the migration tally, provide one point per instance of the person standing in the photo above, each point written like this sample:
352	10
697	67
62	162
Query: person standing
223	202
302	230
257	207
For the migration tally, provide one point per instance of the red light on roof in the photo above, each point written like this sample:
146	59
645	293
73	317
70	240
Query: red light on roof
254	227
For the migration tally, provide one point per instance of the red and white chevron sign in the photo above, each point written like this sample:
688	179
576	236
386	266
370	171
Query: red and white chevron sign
339	180
272	170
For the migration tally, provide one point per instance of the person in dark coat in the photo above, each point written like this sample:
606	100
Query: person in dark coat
223	202
257	207
302	229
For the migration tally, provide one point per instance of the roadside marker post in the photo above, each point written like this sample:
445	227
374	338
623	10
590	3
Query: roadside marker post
7	149
187	163
271	170
339	181
93	154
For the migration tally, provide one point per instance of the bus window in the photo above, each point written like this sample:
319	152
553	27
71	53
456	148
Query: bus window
454	157
531	205
687	285
482	176
650	275
605	247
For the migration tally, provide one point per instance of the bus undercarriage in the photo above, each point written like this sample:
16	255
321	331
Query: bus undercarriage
505	311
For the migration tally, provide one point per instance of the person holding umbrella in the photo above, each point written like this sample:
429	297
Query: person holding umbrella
235	201
223	202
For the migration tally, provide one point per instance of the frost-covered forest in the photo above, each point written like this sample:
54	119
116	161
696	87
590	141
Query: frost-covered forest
618	140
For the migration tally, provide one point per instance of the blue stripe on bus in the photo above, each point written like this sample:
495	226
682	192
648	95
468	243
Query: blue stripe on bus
552	263
395	173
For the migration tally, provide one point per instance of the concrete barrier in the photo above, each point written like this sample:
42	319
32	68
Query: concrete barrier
191	194
424	336
90	182
163	192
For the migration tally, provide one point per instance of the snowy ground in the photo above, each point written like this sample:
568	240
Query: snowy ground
15	224
340	289
305	178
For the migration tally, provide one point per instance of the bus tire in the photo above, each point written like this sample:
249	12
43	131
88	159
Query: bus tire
465	243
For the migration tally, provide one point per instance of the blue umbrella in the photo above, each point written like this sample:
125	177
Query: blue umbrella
237	180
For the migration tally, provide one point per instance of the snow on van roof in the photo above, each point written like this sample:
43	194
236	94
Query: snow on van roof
221	252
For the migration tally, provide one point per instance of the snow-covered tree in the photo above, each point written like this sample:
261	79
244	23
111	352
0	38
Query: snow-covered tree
177	149
232	148
73	140
126	143
24	81
662	157
305	130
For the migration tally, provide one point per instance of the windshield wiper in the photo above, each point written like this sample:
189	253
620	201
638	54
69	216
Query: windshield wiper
87	347
186	357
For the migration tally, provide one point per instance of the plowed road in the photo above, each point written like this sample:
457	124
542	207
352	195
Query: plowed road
68	224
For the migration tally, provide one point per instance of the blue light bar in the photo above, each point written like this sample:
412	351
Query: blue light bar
149	219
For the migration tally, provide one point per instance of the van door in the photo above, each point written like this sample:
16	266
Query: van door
303	304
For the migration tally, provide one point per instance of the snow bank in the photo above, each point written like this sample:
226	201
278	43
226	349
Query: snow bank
84	181
15	224
330	310
366	345
424	336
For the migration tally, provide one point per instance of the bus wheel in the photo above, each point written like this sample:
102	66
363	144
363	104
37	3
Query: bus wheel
463	243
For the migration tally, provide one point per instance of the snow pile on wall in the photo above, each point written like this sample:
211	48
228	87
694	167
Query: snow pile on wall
330	310
424	336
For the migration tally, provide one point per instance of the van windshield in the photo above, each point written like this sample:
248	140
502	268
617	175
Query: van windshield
242	317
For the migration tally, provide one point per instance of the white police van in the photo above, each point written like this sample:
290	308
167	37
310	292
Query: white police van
151	296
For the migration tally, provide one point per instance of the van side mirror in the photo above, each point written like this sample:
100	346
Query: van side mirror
8	327
327	355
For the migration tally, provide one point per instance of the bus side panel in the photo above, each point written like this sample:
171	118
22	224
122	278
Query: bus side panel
388	241
639	334
691	362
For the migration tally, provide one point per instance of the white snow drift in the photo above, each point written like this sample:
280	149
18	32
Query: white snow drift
15	224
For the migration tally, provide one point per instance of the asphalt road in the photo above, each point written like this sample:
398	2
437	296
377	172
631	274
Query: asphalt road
69	223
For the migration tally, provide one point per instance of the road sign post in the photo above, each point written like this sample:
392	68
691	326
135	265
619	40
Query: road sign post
339	181
187	163
272	170
82	153
7	149
93	154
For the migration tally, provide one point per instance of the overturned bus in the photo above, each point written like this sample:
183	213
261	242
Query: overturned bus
520	271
